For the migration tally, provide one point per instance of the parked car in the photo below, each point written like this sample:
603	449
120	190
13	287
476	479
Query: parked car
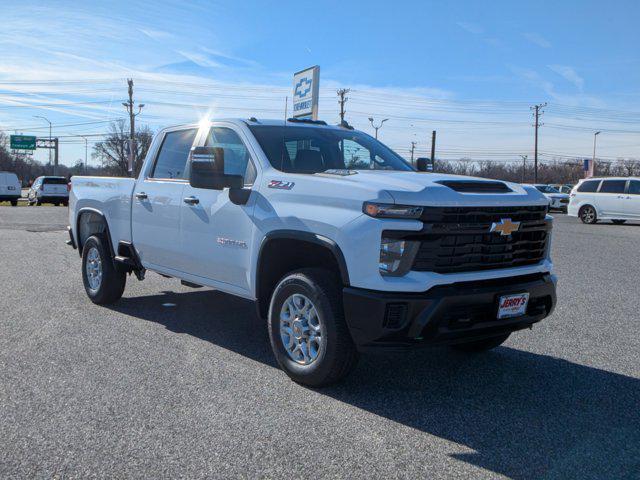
49	190
341	244
614	198
10	188
563	187
557	200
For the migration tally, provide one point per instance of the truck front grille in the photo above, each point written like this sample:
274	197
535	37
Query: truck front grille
458	239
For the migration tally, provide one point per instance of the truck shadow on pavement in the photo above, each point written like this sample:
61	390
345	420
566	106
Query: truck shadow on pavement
524	415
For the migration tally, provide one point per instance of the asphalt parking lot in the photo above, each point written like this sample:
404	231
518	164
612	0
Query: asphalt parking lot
175	382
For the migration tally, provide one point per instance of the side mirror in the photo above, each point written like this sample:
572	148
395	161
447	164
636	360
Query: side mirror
207	170
424	164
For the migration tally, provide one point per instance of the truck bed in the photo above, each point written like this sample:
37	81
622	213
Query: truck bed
111	196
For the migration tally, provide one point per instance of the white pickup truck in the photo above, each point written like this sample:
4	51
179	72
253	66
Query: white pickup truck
343	246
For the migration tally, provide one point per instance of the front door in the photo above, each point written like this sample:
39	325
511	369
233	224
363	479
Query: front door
157	202
216	233
632	200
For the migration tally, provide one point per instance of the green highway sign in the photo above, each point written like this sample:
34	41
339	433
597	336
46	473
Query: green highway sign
23	142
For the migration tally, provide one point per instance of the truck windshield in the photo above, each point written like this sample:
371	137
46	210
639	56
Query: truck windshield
313	149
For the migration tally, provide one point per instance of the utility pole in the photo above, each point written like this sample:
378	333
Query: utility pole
343	99
86	149
413	148
593	161
433	148
524	165
132	119
378	127
537	112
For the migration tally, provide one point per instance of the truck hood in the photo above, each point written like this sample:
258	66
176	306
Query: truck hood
426	189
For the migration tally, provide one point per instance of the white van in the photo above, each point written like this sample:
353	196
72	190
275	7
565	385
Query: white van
10	189
613	198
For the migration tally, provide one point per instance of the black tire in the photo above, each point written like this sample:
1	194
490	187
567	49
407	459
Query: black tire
66	204
14	203
618	222
56	204
588	215
112	284
337	355
482	345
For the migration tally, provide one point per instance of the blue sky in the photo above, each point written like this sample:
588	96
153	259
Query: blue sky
467	69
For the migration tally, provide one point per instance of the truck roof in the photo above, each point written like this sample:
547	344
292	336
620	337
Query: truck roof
268	122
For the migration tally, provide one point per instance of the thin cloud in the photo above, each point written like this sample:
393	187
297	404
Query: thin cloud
569	74
537	39
471	27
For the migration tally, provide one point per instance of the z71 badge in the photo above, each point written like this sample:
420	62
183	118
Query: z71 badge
281	185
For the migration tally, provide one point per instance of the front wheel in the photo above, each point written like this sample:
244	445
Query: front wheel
102	282
588	215
307	329
482	345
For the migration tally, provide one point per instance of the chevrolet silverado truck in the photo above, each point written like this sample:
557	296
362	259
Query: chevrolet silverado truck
343	246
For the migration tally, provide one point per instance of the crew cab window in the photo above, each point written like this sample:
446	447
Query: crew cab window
634	187
237	160
613	186
174	153
589	186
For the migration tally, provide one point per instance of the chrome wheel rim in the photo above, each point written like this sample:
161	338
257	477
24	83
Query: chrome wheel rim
94	268
300	329
588	215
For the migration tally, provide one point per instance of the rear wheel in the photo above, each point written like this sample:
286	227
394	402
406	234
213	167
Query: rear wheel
588	215
307	329
482	345
14	203
618	222
102	282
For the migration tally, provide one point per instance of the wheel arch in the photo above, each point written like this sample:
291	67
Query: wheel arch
90	221
282	251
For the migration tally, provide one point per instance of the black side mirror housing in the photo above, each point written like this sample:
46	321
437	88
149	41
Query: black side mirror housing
207	170
424	165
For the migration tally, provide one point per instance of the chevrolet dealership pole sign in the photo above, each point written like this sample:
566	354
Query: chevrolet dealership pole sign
306	89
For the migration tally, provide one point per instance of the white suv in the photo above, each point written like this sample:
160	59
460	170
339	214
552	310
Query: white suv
614	198
49	190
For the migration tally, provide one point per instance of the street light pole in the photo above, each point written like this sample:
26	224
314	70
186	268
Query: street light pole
378	127
46	120
595	135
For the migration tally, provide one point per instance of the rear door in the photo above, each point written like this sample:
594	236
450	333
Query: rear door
611	199
157	201
632	200
216	233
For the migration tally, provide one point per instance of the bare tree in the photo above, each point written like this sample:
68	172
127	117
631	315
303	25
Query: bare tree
113	151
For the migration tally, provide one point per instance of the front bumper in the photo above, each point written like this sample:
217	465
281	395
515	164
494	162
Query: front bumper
443	315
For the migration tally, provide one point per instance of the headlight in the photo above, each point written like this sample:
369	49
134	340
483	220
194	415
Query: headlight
396	256
383	210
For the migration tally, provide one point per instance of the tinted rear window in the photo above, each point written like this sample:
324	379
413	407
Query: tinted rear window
613	186
590	186
634	187
54	181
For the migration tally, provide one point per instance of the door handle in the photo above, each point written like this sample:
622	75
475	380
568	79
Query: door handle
141	196
191	200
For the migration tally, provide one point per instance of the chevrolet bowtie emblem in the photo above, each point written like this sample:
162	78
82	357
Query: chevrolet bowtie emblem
505	226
